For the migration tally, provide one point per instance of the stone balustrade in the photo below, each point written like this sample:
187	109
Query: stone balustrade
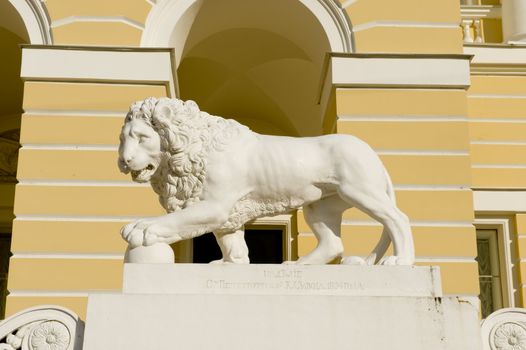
472	18
512	13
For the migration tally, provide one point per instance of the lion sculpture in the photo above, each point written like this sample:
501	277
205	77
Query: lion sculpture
214	175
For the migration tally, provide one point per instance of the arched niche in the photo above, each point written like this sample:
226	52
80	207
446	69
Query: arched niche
22	22
35	20
13	33
259	62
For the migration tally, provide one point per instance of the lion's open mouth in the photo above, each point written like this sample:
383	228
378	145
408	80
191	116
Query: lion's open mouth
145	174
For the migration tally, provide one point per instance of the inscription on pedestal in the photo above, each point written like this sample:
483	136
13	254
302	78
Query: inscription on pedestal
282	280
285	280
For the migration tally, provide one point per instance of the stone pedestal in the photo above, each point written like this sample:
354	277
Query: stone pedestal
280	307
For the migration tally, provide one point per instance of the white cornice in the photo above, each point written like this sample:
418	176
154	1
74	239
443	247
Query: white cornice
98	64
399	70
415	71
499	201
497	54
394	71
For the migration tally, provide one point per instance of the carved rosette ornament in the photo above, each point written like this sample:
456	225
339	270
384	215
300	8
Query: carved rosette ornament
42	328
505	329
510	336
51	335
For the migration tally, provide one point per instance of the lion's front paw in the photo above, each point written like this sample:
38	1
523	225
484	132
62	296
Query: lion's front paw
135	238
140	232
150	236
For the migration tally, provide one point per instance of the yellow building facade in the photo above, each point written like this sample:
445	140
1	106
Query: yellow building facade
437	88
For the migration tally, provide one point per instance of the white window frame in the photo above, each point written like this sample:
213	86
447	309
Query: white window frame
503	228
283	222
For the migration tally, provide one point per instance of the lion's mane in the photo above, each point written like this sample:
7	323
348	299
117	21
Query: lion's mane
187	136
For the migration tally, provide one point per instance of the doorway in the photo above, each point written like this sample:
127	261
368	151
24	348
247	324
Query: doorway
265	246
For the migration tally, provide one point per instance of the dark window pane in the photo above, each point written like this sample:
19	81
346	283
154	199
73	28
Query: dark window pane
206	249
486	279
483	257
265	247
486	297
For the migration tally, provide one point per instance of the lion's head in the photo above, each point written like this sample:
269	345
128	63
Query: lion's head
166	141
139	150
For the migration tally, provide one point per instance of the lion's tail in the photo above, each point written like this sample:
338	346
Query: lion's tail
382	245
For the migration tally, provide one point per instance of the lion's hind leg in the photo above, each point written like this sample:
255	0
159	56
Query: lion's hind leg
324	217
381	207
233	247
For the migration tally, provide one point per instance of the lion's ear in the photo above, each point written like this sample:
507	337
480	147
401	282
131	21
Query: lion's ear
122	166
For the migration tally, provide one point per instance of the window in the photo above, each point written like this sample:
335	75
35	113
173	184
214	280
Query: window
490	280
269	240
496	265
265	246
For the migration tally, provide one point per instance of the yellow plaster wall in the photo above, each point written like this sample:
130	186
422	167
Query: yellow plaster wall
409	26
396	39
365	11
76	304
497	114
86	97
83	129
90	200
70	164
98	34
136	10
83	237
64	274
98	22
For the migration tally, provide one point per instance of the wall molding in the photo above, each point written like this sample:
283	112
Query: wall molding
92	64
497	59
494	201
415	71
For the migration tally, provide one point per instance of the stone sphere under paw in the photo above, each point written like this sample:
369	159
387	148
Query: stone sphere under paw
158	253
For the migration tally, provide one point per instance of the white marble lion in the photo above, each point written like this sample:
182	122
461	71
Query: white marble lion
214	175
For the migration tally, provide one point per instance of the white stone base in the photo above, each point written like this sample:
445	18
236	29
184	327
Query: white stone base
189	316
